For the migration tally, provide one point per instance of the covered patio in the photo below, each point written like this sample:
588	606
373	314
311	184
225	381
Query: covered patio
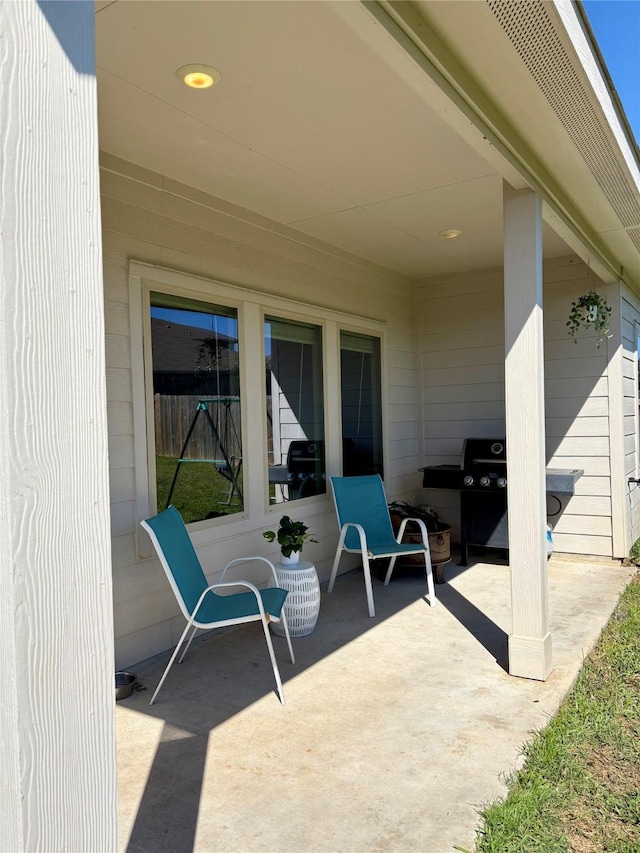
419	177
396	730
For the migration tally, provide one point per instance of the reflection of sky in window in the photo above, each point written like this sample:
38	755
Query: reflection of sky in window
267	338
227	326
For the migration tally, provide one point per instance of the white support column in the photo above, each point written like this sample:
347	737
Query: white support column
530	640
57	734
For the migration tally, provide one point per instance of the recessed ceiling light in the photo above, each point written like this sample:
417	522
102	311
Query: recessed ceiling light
450	233
198	76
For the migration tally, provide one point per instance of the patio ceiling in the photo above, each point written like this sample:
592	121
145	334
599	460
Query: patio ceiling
320	123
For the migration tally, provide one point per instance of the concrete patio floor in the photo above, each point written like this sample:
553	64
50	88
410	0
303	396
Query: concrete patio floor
396	729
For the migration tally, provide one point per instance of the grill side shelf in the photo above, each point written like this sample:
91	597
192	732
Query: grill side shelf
559	481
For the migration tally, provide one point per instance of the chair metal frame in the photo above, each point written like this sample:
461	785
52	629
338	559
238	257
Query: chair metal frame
261	613
386	546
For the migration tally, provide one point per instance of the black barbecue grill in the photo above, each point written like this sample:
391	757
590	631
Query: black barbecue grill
481	479
305	469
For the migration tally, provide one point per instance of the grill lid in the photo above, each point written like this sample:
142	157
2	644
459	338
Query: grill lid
483	452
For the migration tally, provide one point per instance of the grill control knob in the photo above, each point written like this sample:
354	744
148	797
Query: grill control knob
468	480
485	481
501	482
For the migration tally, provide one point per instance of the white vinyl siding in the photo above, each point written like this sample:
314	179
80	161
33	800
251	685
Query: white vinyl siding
577	415
462	352
152	219
630	327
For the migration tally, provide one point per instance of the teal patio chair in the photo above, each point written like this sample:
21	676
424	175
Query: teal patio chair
365	529
199	601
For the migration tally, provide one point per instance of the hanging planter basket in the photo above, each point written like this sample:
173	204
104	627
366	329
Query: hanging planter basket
590	313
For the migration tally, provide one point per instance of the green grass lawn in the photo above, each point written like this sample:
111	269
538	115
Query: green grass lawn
579	789
200	490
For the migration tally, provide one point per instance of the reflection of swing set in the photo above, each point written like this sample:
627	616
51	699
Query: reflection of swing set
229	465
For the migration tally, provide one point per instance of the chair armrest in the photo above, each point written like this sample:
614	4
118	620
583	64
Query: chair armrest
421	525
245	584
248	560
363	536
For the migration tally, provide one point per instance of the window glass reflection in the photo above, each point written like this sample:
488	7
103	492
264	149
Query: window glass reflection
196	395
295	409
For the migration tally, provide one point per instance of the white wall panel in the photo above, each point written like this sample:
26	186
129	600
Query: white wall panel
120	451
577	426
630	444
403	413
181	228
117	350
462	356
599	546
404	449
399	395
583	524
593	486
122	485
570	407
118	385
590	367
463	375
116	317
123	552
478	392
581	388
593	466
403	430
120	418
588	505
630	467
123	517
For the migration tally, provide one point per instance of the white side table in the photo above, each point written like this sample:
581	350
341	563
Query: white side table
303	602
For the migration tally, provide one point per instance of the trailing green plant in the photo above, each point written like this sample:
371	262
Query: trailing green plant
291	535
591	313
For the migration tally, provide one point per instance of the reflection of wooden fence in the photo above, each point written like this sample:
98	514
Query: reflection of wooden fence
173	417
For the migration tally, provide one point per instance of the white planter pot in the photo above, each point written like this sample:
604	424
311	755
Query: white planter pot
293	560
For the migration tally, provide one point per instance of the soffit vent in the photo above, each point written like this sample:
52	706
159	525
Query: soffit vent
538	44
634	233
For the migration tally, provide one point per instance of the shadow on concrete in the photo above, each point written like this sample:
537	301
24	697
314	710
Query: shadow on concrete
168	813
493	638
485	630
227	671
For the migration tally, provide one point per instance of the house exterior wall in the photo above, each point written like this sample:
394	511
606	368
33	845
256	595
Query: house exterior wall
629	331
154	220
462	362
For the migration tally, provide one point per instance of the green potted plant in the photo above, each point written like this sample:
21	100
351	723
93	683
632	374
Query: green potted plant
291	536
590	312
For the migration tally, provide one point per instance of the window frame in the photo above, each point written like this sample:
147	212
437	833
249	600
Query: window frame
252	307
